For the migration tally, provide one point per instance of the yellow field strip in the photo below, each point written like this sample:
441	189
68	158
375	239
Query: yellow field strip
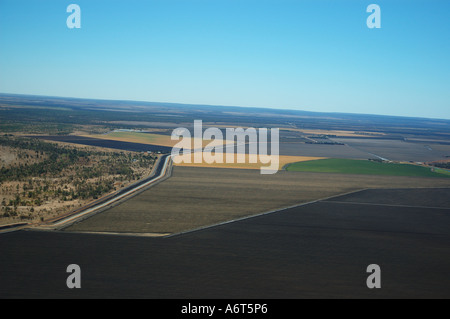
283	160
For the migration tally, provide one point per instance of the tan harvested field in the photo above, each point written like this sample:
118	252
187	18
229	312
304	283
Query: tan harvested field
282	161
196	197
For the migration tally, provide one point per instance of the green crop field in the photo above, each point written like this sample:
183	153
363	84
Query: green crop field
442	171
348	166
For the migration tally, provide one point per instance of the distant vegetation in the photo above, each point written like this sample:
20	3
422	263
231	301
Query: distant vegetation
441	167
445	165
54	115
348	166
36	175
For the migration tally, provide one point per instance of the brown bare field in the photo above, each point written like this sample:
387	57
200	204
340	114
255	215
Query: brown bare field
196	197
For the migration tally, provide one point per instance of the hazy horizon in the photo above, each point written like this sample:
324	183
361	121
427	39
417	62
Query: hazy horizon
225	106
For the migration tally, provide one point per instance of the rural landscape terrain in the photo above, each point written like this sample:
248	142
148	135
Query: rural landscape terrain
94	175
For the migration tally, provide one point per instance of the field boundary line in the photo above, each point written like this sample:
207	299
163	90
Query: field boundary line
12	227
261	214
389	205
325	199
103	233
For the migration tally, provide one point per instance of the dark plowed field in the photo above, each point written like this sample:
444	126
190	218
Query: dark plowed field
318	250
118	145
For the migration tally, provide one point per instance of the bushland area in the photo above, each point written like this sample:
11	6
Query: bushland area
39	180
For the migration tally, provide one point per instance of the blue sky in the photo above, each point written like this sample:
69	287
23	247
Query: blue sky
316	55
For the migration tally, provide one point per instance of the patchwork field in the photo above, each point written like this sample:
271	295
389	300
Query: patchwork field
311	234
105	143
321	150
149	138
136	137
247	163
348	133
398	150
347	166
320	250
196	197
